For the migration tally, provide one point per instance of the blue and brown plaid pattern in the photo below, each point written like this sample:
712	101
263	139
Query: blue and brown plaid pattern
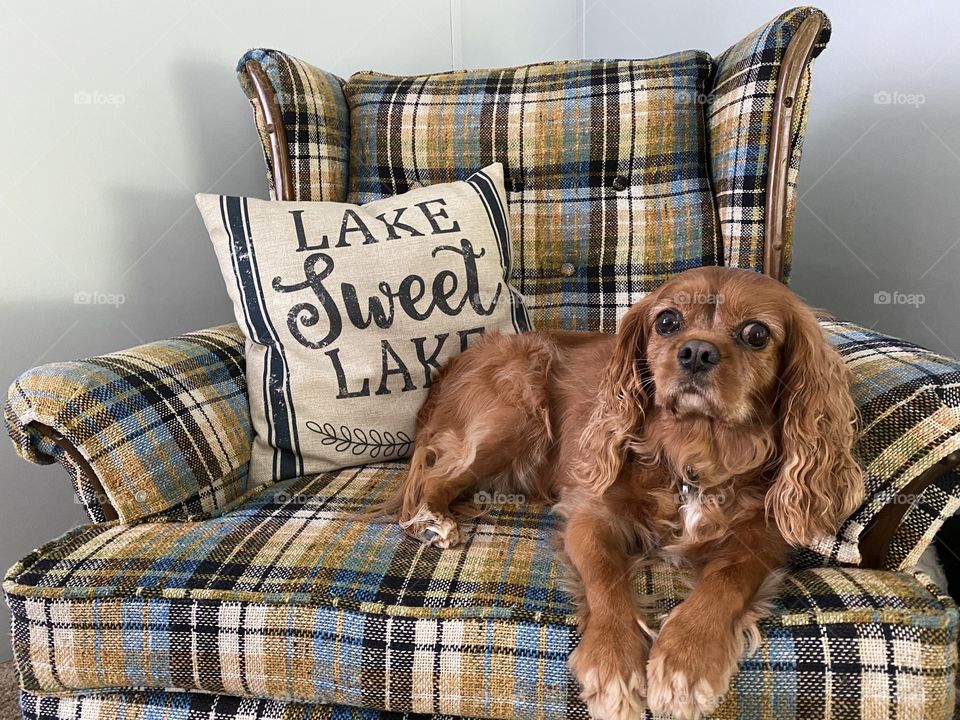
42	450
909	404
291	597
606	166
165	427
315	119
567	133
160	705
939	501
797	133
739	122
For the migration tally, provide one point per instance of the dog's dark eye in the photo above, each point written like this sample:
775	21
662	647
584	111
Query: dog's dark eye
668	322
756	335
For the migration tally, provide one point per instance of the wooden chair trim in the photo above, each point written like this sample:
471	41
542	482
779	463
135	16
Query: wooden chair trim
795	60
268	106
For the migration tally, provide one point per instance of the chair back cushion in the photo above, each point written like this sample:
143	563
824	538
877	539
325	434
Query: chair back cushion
606	169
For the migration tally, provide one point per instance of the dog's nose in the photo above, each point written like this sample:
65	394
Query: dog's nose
698	356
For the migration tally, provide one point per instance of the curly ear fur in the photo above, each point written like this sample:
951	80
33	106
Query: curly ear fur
819	482
620	404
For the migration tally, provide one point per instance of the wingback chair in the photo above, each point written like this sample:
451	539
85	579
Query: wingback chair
191	595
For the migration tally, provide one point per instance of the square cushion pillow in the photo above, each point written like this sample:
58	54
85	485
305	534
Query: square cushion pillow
350	310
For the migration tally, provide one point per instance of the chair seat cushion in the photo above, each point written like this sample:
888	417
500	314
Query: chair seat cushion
291	597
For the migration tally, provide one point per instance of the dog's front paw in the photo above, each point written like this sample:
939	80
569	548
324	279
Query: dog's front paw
690	668
432	528
609	663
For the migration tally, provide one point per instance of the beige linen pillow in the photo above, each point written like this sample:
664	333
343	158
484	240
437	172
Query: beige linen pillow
350	310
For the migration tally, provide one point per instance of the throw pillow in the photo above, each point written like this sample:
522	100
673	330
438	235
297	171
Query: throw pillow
350	310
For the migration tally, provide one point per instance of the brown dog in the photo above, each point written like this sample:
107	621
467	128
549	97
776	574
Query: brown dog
714	430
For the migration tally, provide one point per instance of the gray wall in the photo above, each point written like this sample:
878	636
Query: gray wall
117	113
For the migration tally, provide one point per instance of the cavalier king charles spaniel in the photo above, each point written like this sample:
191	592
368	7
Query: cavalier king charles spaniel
714	430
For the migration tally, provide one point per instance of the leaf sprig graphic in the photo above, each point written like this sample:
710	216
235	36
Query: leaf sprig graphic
358	441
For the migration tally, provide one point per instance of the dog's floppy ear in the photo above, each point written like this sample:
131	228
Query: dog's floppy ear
620	403
818	482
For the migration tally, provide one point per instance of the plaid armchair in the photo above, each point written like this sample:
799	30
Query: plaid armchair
191	596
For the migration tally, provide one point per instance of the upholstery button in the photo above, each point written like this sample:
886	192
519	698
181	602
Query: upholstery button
620	183
567	269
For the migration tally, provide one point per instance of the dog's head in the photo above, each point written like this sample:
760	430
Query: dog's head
738	348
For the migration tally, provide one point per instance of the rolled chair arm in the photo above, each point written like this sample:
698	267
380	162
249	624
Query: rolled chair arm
908	399
756	119
163	428
910	525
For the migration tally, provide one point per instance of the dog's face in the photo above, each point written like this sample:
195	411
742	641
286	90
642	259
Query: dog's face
738	348
715	340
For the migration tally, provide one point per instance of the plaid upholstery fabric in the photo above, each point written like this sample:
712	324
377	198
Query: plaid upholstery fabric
909	404
768	687
291	597
43	451
923	520
315	119
165	426
797	134
157	705
609	191
739	121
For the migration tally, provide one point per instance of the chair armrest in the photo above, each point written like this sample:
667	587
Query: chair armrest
163	428
920	520
908	399
756	119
